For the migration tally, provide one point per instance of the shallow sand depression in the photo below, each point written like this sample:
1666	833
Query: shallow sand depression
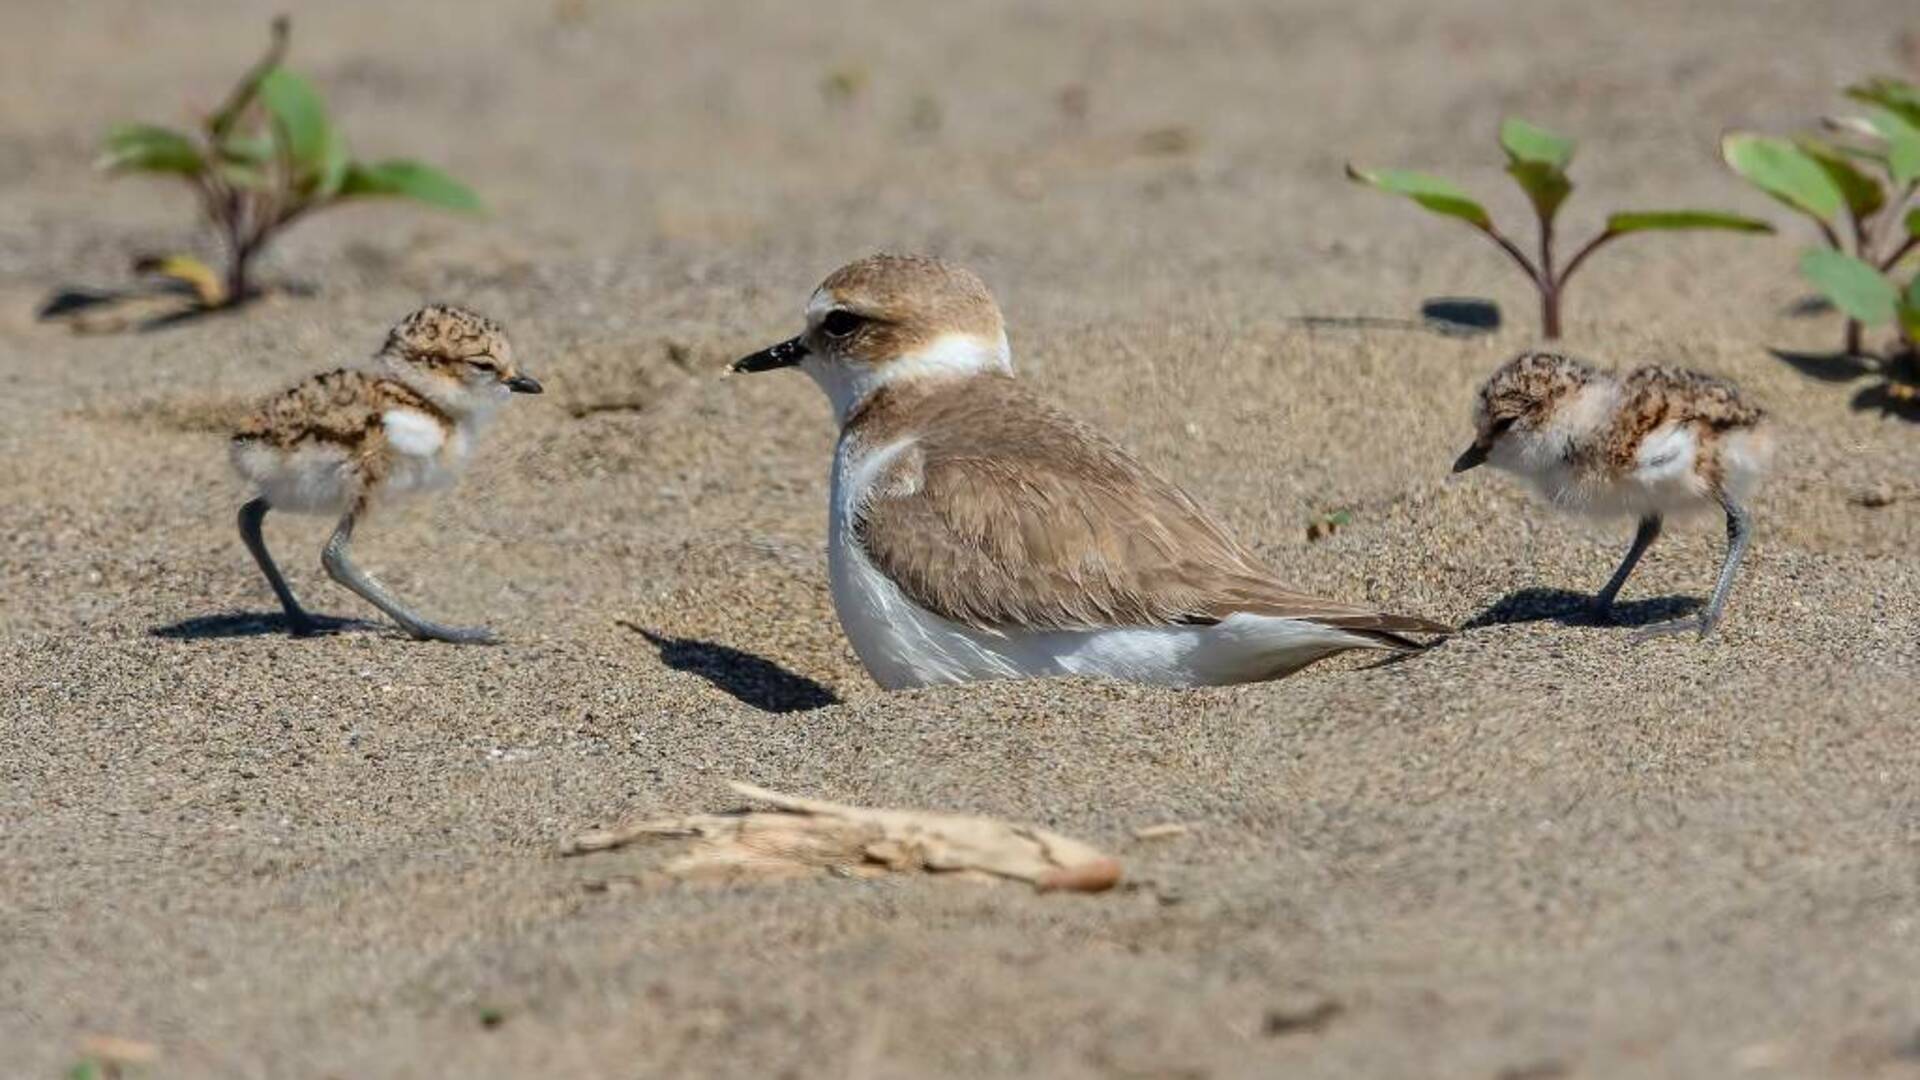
1535	851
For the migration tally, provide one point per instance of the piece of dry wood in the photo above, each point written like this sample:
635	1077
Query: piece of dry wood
801	836
114	1051
1161	832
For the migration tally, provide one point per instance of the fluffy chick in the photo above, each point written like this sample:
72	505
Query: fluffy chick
1654	443
346	440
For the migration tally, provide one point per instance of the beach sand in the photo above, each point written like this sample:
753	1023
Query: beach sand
1537	851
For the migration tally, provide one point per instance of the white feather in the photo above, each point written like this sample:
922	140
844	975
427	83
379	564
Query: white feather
413	433
849	382
314	478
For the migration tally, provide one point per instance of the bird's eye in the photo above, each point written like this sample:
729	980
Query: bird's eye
840	323
1500	426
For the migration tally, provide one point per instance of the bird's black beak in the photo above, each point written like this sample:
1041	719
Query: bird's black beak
1474	455
786	354
524	384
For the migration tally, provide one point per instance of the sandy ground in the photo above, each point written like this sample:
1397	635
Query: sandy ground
1535	852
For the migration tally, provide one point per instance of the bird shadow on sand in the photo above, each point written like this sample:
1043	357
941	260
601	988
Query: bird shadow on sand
749	679
1576	609
239	624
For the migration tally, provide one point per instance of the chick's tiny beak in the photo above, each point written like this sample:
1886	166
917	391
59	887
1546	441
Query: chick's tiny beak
524	384
786	354
1474	455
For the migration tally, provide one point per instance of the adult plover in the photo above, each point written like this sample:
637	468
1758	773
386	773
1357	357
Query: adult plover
978	533
1654	443
346	440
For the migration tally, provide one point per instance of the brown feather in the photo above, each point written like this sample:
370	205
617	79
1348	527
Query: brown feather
1006	513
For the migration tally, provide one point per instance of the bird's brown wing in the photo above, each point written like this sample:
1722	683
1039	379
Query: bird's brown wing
1020	516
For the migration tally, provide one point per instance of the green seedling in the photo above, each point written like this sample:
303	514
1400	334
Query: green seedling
1537	159
1322	526
267	157
1857	183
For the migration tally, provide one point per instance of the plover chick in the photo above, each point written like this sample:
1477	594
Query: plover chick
348	440
1654	443
978	533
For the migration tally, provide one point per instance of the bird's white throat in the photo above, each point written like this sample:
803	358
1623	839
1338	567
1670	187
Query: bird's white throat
847	383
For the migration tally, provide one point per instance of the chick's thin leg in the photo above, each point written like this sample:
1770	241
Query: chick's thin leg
1643	539
299	623
339	565
1739	531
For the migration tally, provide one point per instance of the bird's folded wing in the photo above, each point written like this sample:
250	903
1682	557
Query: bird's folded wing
1078	540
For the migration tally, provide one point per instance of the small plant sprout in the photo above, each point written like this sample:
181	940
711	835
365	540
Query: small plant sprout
267	157
1537	159
1858	184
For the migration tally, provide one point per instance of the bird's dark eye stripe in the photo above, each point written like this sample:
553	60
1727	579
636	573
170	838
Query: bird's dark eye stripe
840	323
1501	425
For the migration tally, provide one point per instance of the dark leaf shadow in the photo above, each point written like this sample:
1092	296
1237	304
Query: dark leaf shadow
1461	314
1575	609
750	679
1890	399
1895	392
147	307
241	624
1837	367
1451	316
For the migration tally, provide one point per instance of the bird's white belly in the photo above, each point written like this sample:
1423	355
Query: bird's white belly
426	457
902	645
324	478
1664	481
313	478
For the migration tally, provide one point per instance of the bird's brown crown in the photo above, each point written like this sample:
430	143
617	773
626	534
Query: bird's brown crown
887	306
445	338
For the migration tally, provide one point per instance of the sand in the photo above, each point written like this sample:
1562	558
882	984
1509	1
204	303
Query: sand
1538	851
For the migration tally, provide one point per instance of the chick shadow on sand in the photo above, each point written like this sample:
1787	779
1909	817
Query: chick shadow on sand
1894	391
1576	609
243	624
749	679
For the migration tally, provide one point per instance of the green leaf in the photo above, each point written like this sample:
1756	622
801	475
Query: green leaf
300	122
146	148
1854	287
1903	144
1784	171
333	169
1895	94
242	175
408	179
1527	142
1909	308
246	149
1862	193
1676	220
1913	222
245	161
1546	186
1910	322
1429	191
1537	160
